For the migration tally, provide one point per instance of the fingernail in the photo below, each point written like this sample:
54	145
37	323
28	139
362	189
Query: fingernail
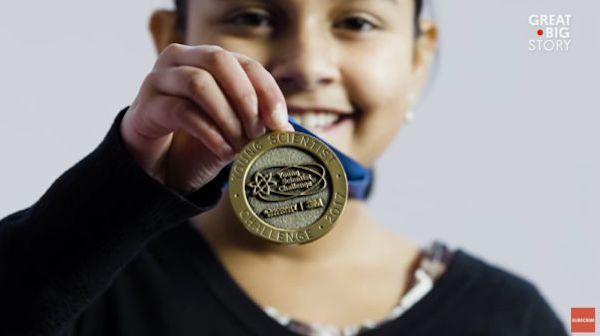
290	127
257	129
280	115
227	151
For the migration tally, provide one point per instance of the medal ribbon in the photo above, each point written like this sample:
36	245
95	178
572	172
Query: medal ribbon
359	177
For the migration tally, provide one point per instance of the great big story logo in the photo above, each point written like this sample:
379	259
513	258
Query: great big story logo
552	32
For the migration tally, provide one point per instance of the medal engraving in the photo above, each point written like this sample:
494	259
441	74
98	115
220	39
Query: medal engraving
287	187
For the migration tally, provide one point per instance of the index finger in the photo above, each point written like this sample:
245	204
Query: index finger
227	72
271	101
272	106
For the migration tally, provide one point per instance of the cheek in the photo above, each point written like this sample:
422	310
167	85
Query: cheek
253	49
256	50
378	84
379	79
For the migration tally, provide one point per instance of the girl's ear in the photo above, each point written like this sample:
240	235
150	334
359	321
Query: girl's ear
423	54
162	26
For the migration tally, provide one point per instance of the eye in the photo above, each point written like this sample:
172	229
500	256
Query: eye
251	18
356	23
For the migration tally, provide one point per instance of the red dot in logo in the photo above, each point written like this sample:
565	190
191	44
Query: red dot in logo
540	32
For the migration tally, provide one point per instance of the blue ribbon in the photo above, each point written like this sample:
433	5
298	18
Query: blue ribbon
359	177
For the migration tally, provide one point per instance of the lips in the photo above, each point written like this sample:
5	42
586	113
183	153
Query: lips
318	118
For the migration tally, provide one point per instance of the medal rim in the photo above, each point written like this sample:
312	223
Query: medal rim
241	204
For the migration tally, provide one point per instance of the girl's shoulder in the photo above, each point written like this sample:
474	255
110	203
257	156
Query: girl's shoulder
497	294
486	275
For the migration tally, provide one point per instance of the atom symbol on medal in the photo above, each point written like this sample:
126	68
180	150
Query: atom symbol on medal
262	184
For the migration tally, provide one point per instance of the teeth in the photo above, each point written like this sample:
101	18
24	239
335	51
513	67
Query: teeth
316	120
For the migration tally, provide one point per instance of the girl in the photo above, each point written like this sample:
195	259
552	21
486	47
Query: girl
139	238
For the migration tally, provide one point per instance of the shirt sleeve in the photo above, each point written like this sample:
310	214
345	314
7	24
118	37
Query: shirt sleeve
61	253
542	320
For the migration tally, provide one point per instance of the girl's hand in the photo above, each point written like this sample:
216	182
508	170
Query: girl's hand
197	108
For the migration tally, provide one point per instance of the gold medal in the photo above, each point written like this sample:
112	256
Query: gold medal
288	187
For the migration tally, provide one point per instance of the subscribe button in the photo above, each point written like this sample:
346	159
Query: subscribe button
583	320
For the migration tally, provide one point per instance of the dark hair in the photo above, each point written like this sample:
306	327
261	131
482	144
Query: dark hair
181	15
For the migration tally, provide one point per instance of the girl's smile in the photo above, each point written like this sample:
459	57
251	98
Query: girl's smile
346	67
328	122
319	118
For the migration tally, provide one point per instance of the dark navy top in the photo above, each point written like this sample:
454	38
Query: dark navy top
108	250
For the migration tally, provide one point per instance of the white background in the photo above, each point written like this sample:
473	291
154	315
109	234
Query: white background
502	159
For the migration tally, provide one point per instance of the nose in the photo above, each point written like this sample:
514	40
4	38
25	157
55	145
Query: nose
304	60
